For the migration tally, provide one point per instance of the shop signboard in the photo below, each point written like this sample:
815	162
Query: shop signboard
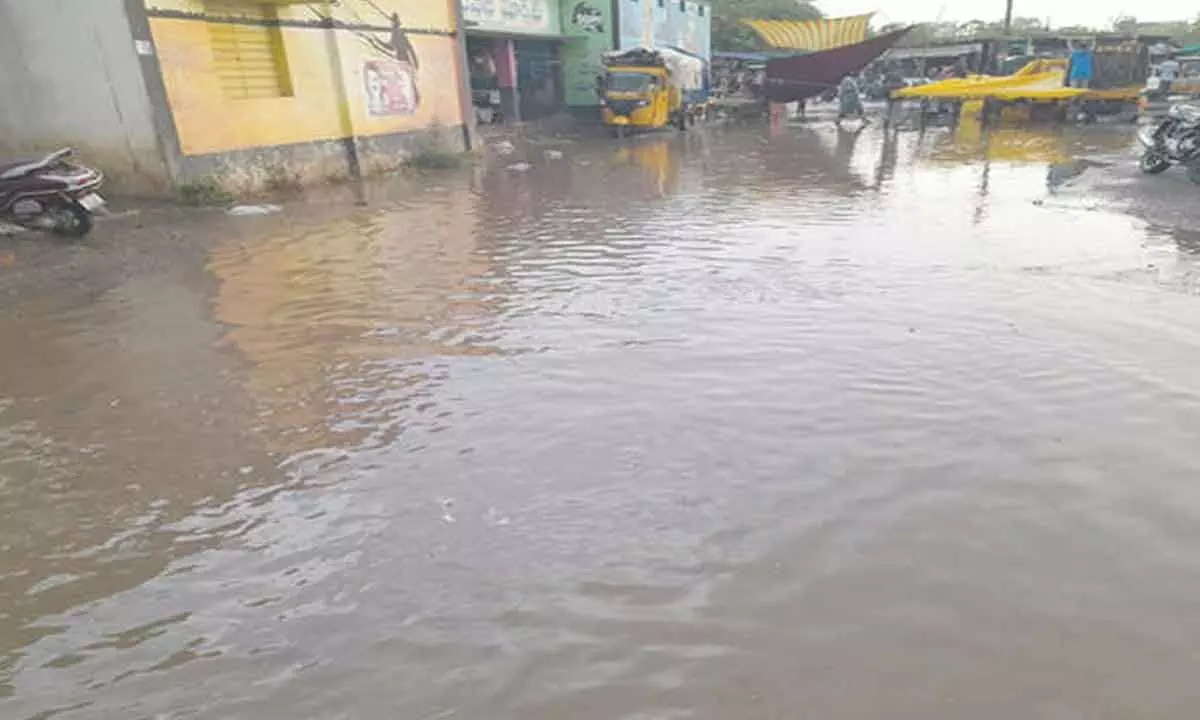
524	17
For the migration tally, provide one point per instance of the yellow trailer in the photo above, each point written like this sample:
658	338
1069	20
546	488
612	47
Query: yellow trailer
1041	81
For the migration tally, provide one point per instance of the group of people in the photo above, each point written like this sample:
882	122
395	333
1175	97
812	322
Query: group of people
850	90
738	81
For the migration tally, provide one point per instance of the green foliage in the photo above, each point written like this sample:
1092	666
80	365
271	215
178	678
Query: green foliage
730	34
1184	32
204	191
936	32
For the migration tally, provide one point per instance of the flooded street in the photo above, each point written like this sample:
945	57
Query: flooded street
740	423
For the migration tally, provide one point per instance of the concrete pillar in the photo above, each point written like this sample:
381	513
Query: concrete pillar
504	55
465	103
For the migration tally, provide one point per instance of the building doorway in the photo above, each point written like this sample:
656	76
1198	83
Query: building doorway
539	79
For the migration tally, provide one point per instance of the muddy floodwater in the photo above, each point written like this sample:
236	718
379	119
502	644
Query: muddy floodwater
742	423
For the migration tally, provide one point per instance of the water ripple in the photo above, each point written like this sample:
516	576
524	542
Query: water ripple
722	424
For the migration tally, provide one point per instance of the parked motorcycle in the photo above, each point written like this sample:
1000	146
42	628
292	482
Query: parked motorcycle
50	193
1173	141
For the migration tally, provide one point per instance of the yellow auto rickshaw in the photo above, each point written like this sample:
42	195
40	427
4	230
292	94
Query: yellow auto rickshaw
648	89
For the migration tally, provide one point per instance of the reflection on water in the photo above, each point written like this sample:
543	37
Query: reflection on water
658	163
716	424
333	318
969	141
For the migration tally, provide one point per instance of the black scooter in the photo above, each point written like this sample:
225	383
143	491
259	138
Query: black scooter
50	193
1174	141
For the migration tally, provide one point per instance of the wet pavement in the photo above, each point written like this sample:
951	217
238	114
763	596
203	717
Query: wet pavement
742	423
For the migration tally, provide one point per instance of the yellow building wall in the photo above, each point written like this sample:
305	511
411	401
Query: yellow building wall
209	122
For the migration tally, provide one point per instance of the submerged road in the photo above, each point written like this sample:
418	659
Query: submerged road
743	423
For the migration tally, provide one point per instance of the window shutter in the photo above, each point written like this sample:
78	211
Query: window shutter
248	56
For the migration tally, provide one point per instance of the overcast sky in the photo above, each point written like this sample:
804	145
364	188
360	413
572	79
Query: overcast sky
1060	12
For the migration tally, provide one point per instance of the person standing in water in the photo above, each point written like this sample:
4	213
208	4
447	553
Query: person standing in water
1082	67
849	100
1168	73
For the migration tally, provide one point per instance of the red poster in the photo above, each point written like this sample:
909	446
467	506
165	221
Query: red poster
391	87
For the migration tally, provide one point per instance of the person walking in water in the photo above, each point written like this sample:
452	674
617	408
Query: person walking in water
1082	66
849	100
1168	73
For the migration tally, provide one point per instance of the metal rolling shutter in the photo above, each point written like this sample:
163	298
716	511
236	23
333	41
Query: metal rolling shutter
248	55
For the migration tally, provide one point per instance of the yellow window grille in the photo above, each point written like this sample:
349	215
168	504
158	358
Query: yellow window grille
248	51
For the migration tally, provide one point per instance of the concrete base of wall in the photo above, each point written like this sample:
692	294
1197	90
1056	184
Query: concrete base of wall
283	167
126	172
381	153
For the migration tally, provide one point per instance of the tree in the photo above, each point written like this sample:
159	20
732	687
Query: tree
1184	32
1125	24
925	34
1027	25
944	32
728	32
976	29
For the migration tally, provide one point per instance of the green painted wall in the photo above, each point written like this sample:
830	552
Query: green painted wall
588	27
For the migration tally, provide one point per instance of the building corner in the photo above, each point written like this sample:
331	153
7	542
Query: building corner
466	103
156	91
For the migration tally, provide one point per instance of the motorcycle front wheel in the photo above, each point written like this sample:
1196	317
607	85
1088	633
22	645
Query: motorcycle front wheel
1193	171
1154	161
70	220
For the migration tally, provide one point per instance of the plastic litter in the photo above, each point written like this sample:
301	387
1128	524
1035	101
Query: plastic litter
245	210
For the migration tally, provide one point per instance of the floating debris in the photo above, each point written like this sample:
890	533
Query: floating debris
496	518
248	210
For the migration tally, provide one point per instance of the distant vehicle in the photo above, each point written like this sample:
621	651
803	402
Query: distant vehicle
1173	141
50	193
1157	94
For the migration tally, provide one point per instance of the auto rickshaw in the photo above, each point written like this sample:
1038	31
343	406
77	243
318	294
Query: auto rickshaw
648	89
